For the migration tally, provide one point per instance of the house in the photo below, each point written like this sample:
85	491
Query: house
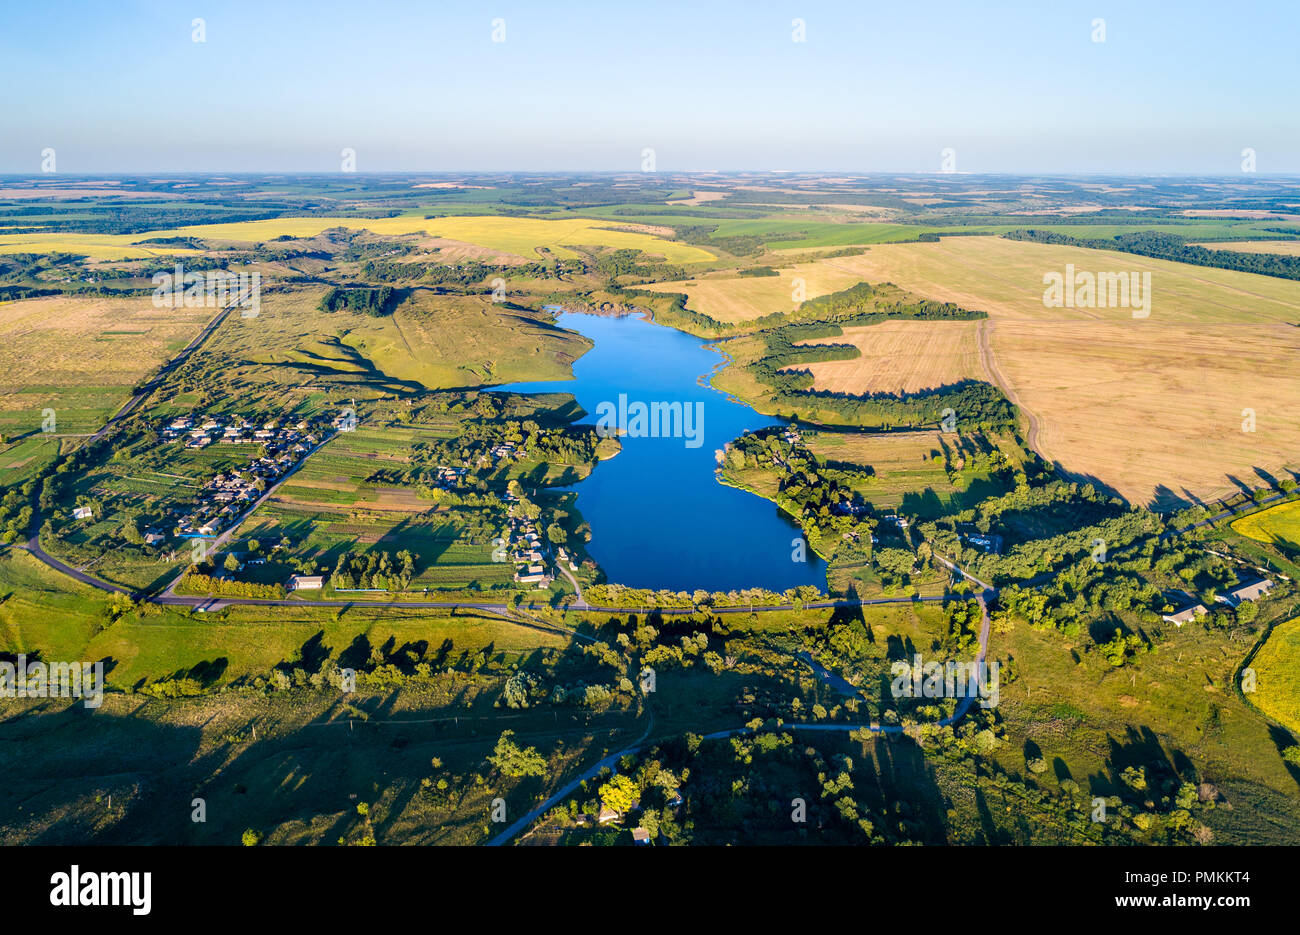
1187	614
1248	591
306	583
640	836
153	538
607	815
83	512
989	544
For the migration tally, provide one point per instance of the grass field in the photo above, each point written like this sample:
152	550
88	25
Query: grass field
910	468
429	342
901	357
1154	407
531	238
1278	525
1277	675
1174	707
80	356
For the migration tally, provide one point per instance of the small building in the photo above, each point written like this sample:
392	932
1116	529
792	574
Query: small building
640	836
1186	615
83	512
153	538
607	815
989	544
1247	591
306	583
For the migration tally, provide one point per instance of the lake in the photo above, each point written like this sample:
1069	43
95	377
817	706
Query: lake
659	517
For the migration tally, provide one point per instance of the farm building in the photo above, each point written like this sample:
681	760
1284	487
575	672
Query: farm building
1246	591
1186	607
306	583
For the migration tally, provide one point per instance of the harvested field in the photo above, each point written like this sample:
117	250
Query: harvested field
901	357
1157	409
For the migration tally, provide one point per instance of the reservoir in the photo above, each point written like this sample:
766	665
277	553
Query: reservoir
659	517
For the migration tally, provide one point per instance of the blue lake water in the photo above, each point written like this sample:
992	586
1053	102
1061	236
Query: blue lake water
659	517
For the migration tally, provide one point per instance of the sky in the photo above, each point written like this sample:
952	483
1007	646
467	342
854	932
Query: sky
1014	87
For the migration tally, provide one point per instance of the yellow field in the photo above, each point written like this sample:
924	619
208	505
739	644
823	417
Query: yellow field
1153	408
1277	675
1283	247
901	357
743	298
1278	525
525	237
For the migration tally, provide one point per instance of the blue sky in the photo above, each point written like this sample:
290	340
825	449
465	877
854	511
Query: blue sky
1177	87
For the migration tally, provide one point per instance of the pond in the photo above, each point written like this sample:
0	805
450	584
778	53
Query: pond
659	516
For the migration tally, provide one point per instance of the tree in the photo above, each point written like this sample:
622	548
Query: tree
515	761
231	563
619	794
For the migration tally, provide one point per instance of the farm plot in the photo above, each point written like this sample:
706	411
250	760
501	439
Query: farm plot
911	470
901	357
735	299
332	505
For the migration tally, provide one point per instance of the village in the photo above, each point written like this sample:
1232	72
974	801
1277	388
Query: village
525	548
223	498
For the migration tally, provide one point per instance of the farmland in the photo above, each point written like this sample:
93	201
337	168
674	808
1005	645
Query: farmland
1283	247
80	357
1168	400
332	506
735	299
1278	525
525	237
1277	675
901	357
